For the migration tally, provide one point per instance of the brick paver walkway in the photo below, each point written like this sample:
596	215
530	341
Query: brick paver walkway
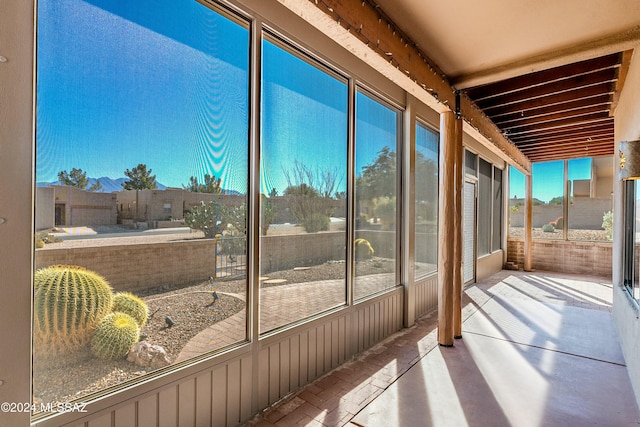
282	305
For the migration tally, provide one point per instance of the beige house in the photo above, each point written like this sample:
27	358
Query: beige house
61	205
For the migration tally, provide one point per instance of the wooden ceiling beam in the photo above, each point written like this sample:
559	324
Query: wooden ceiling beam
622	77
539	158
557	124
616	42
570	146
563	142
545	76
569	130
551	109
567	138
360	22
583	149
588	92
547	118
545	90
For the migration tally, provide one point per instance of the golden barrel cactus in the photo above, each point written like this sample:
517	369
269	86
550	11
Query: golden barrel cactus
69	301
114	336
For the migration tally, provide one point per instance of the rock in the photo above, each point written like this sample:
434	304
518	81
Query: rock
145	354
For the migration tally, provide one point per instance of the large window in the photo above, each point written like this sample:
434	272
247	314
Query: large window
426	200
489	226
303	179
548	200
485	204
376	163
496	241
516	202
142	165
584	185
590	202
631	265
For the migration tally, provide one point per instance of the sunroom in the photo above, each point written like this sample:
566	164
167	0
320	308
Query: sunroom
284	184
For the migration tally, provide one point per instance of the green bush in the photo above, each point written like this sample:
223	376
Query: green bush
267	214
114	336
548	228
363	249
43	237
68	303
125	302
607	224
208	218
315	222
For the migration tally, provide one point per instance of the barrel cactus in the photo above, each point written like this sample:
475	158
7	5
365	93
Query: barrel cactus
130	304
114	336
69	302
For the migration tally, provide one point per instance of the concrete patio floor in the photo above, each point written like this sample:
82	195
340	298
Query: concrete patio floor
538	349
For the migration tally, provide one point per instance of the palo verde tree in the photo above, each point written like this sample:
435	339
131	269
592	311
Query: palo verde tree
139	179
211	185
77	178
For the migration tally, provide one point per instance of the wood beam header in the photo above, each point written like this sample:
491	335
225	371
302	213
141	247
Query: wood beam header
367	23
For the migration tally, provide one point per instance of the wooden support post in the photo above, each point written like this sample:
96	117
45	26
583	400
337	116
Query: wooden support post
457	236
446	227
528	223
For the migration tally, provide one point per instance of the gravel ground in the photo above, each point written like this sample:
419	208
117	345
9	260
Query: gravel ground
73	376
577	235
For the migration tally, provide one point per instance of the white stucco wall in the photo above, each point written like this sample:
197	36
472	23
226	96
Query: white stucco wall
625	310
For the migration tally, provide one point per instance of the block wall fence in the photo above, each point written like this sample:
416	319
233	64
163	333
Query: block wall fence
592	258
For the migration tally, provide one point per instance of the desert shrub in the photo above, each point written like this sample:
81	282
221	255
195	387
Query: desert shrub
309	208
607	224
315	222
68	303
208	218
114	336
363	249
43	237
128	303
548	228
267	214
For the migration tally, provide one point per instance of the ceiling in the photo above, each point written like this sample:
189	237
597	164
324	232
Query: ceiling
547	73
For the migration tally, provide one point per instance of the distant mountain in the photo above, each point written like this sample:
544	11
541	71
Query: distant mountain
109	185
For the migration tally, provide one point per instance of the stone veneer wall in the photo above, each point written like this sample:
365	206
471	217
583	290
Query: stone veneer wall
563	256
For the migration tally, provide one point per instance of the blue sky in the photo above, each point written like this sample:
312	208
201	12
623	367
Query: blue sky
113	92
165	83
